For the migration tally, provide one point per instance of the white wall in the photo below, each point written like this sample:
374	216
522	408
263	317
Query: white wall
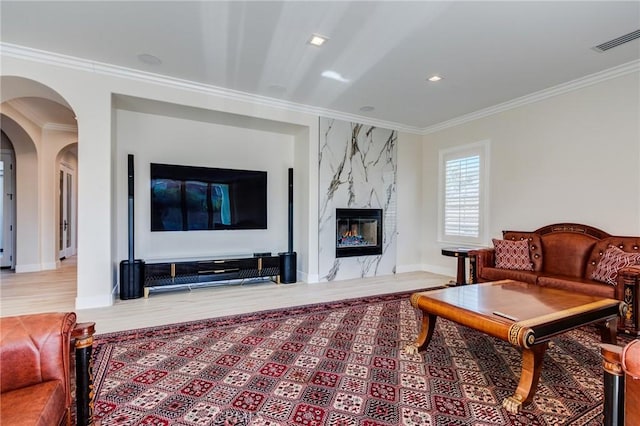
574	157
162	139
409	190
90	93
305	215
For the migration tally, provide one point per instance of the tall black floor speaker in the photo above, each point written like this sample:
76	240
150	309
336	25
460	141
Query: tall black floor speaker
131	279
288	260
288	266
132	269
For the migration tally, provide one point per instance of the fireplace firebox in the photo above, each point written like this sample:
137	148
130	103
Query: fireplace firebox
358	232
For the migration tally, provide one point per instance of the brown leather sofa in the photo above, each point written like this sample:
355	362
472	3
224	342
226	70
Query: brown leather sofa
621	384
36	364
564	256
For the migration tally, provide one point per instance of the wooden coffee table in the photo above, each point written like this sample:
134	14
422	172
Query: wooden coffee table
525	315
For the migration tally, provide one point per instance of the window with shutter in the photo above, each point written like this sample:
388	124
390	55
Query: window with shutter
463	174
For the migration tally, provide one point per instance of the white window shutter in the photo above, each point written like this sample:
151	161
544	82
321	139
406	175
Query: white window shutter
462	197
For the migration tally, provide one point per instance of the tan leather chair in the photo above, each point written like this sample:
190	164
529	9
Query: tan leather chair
35	369
621	384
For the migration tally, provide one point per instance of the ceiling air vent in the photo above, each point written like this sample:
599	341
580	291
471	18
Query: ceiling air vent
617	41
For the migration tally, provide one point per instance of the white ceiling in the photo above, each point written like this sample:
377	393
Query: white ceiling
487	52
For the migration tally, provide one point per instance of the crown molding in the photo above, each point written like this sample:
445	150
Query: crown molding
56	59
608	74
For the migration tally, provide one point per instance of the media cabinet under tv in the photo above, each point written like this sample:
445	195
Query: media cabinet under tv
188	273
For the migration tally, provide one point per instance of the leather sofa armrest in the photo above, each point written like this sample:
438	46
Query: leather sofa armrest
35	348
481	258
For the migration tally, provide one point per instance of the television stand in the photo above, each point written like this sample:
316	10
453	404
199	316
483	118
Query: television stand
187	273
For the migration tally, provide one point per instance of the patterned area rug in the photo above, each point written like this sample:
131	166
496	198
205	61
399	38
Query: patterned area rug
335	364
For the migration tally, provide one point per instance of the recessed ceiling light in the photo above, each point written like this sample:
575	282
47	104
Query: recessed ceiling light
367	108
435	78
149	59
335	76
318	40
277	88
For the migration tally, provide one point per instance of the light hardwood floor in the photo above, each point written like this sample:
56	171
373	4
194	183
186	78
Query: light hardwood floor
56	291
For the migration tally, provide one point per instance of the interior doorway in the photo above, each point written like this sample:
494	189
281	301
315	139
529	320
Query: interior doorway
66	219
7	209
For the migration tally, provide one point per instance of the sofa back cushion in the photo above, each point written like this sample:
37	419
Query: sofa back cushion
566	253
627	244
535	246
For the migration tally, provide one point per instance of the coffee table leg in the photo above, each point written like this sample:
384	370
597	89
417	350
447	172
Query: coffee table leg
421	343
531	368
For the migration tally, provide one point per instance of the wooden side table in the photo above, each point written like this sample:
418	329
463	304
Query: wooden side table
630	323
461	253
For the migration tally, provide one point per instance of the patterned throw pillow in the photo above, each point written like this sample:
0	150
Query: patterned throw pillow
613	259
512	255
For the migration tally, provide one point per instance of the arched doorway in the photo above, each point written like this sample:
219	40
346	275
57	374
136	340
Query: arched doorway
40	126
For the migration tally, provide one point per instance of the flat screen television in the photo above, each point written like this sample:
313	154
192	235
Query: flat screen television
186	198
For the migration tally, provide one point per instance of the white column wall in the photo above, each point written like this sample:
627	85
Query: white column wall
409	188
93	109
305	227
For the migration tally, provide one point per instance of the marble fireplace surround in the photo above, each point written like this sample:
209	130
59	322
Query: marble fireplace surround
357	169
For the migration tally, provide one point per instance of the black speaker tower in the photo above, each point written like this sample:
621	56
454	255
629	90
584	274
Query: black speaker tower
132	269
288	260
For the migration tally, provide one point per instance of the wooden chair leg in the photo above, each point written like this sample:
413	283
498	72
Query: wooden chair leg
613	409
83	334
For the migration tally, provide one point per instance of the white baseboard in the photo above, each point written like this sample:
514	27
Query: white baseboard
308	278
34	267
441	270
408	268
101	301
50	265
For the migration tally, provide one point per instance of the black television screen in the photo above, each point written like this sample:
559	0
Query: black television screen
186	198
